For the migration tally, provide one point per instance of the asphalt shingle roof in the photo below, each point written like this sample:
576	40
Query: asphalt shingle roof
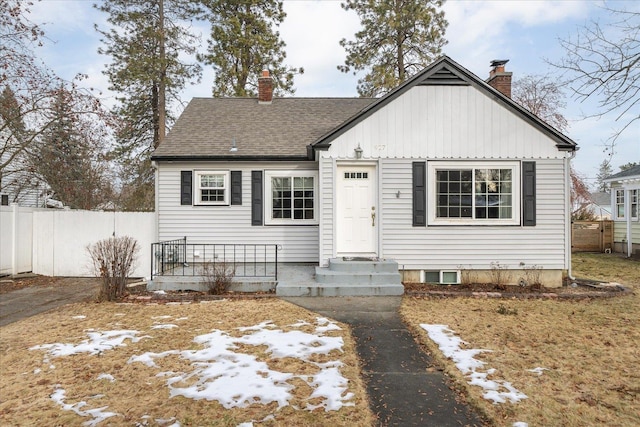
284	128
634	171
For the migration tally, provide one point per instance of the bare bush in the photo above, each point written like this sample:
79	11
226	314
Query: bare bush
500	276
217	276
468	276
533	276
113	260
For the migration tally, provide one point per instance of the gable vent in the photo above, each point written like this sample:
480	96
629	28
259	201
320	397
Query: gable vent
444	76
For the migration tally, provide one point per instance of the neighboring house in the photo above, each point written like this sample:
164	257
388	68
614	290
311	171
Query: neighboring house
445	174
18	185
625	189
600	205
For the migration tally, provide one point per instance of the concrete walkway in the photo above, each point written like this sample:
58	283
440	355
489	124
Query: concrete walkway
402	388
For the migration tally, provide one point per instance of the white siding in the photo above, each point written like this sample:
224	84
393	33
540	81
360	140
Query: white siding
454	123
327	204
444	122
229	224
448	247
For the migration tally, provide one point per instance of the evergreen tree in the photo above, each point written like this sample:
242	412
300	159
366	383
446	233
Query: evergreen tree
398	39
243	43
628	166
604	172
69	158
145	42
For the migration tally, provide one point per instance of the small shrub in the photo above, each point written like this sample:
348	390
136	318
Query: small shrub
468	276
502	309
533	274
217	276
500	276
113	260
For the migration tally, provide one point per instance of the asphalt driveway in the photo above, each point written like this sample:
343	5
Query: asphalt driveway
22	303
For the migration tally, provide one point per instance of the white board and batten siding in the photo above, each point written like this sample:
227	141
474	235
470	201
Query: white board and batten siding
451	123
230	224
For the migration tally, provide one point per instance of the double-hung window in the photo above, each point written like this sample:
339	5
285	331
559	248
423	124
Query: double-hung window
487	193
291	197
212	187
620	206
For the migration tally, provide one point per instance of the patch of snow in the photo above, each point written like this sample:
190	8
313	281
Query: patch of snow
98	414
161	317
182	318
160	292
236	379
37	371
81	316
325	325
118	314
538	370
148	358
164	326
498	391
107	377
520	424
97	343
248	424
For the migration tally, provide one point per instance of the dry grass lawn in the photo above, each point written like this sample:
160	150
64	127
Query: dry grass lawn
137	394
590	349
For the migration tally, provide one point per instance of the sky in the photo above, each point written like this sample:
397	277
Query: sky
526	32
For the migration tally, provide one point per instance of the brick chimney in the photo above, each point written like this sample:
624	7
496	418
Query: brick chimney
265	88
498	78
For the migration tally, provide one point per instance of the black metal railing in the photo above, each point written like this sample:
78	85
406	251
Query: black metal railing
179	258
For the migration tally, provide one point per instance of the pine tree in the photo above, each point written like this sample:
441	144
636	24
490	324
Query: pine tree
398	38
244	42
69	158
145	42
604	172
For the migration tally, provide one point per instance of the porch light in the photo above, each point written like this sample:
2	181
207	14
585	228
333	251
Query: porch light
358	151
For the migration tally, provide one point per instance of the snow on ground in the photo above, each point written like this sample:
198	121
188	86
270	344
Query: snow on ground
80	316
538	370
236	379
498	391
96	344
223	372
98	414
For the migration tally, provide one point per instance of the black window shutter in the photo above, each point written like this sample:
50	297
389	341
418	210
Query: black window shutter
419	194
528	193
186	187
236	187
256	198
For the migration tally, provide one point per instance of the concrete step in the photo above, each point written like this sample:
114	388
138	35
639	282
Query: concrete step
337	290
357	278
380	266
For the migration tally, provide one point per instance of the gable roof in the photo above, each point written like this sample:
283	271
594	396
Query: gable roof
282	130
633	172
445	71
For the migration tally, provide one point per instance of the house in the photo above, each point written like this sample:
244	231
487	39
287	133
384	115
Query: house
625	189
600	205
445	175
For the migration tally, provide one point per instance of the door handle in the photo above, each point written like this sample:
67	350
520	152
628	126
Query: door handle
373	219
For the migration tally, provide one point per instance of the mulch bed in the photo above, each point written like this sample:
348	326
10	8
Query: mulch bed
578	289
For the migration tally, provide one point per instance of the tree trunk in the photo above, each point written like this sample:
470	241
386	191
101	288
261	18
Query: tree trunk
162	108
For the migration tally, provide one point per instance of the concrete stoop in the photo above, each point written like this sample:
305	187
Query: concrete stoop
351	277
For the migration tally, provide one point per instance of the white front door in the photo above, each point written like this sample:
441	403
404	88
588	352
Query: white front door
356	212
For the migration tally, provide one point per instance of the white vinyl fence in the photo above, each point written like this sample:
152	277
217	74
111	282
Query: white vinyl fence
54	242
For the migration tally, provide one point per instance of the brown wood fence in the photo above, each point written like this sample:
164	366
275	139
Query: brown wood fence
591	236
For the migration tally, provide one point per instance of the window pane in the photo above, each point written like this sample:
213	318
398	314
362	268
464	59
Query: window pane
454	194
292	197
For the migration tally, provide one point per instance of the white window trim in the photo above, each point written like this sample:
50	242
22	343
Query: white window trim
268	199
516	192
626	198
197	191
